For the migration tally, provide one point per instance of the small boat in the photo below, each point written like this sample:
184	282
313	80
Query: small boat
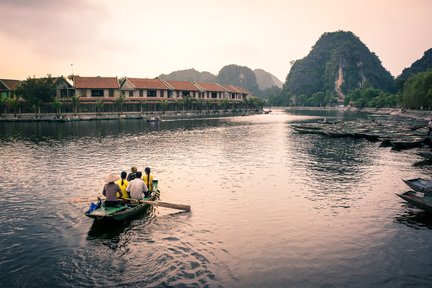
419	199
426	155
406	144
122	211
419	184
153	119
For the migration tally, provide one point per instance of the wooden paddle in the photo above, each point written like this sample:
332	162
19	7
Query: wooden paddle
163	204
79	200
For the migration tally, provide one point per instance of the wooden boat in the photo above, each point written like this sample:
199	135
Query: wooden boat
419	199
122	211
153	119
419	184
426	155
406	144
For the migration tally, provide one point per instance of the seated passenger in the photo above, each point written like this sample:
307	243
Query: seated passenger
148	180
110	190
123	183
137	187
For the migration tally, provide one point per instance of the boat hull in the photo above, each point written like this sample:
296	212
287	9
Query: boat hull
419	199
419	184
121	212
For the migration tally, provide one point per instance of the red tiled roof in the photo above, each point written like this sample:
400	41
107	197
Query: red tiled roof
231	89
213	87
96	82
241	89
10	83
181	85
141	83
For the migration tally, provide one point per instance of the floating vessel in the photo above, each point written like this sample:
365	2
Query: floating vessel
418	199
122	211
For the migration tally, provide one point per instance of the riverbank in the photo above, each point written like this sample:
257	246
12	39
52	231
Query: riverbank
417	114
147	116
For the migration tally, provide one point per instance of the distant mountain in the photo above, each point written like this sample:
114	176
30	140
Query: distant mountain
240	76
337	64
266	80
421	65
190	75
255	81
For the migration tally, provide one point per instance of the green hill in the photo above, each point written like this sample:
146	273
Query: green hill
337	64
421	65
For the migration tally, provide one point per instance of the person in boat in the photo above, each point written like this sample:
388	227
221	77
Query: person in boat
137	188
110	190
123	183
148	180
132	175
430	128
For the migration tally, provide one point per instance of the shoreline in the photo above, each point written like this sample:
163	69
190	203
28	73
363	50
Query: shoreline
416	114
146	116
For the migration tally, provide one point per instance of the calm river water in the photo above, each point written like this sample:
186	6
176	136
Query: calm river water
270	208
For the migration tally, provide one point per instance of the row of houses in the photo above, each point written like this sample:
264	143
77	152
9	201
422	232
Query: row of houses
92	89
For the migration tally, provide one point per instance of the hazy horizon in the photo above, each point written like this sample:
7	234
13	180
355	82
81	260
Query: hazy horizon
146	38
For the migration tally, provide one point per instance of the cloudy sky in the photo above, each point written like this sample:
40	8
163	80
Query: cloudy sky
143	38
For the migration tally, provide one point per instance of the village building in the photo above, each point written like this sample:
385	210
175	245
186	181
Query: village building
96	88
7	87
140	88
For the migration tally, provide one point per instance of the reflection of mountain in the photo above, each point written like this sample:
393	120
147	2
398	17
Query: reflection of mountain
335	167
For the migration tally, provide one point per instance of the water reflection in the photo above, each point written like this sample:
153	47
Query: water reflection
414	218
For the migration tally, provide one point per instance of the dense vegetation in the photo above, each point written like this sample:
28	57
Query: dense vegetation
239	76
421	65
334	54
417	91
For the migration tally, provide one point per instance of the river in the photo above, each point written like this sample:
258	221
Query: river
270	207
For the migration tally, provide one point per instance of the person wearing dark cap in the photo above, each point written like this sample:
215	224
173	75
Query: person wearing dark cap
148	179
110	190
132	175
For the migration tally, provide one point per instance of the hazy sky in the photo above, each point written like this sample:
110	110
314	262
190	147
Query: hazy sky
146	38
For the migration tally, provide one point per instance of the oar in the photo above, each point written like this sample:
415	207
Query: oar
79	200
164	204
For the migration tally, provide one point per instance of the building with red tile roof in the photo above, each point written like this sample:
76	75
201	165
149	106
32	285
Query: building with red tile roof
7	87
91	88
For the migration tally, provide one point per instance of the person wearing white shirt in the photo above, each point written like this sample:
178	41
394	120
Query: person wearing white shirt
137	187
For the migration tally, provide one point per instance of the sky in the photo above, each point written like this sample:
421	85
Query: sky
143	38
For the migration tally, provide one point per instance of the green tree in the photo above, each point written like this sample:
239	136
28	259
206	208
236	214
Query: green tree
36	91
120	100
75	100
417	91
99	106
57	105
164	106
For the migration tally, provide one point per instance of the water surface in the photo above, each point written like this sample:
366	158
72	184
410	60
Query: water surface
270	207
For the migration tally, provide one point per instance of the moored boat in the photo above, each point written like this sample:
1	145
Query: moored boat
419	199
419	184
121	211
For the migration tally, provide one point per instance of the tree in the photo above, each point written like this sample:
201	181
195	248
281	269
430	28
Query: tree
417	91
57	105
119	103
36	91
75	100
99	106
164	106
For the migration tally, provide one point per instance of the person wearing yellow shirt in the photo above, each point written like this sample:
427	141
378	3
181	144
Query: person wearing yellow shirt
146	179
123	183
